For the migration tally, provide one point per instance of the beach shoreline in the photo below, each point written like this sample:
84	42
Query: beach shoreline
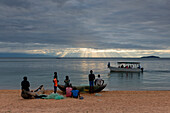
107	101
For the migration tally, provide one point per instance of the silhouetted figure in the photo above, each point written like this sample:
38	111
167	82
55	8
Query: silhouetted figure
25	84
91	81
142	69
122	66
139	66
108	65
55	81
27	94
67	82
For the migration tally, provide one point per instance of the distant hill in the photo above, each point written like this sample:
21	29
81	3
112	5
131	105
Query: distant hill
21	55
150	57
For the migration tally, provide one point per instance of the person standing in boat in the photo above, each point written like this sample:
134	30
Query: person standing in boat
55	81
91	81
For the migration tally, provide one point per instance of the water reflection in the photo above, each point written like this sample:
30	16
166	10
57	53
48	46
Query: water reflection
125	80
127	75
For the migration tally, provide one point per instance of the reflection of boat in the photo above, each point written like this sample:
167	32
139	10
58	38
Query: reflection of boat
84	88
128	75
126	67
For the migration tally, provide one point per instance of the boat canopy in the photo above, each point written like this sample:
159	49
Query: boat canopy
128	62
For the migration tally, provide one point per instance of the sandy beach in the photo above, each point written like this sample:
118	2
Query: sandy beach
108	102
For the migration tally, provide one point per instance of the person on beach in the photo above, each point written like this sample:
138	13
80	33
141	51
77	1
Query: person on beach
55	81
34	93
25	84
67	82
99	81
91	81
75	93
26	93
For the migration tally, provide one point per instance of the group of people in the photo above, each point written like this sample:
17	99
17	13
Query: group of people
70	91
127	66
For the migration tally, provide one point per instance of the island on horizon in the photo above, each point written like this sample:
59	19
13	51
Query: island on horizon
150	57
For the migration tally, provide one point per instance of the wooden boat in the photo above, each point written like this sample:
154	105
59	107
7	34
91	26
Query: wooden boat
84	88
126	67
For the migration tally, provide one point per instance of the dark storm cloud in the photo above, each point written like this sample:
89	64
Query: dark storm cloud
15	3
102	24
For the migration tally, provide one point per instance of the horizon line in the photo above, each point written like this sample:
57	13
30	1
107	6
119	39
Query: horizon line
84	57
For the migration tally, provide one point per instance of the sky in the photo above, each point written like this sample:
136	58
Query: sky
85	28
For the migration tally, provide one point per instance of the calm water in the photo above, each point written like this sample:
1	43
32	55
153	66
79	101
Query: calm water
156	75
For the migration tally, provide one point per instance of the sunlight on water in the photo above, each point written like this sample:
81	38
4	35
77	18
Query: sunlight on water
156	75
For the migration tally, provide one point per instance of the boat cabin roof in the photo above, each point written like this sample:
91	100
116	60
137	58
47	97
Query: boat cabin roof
128	62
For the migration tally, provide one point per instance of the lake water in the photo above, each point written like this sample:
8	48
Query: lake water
156	75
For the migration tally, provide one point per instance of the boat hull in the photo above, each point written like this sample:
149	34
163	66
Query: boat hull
84	88
115	69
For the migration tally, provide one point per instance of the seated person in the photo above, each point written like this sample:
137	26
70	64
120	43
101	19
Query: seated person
139	66
27	94
25	84
33	94
122	66
67	82
68	91
129	66
75	93
99	81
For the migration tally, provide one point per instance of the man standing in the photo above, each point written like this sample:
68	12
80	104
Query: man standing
91	81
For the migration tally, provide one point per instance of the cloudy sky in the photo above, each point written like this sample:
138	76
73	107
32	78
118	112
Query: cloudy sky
85	28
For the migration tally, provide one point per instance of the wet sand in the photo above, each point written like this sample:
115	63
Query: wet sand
108	102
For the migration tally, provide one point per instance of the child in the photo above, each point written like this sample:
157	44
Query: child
75	93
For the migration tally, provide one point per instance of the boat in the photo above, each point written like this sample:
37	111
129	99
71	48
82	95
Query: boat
84	88
126	67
